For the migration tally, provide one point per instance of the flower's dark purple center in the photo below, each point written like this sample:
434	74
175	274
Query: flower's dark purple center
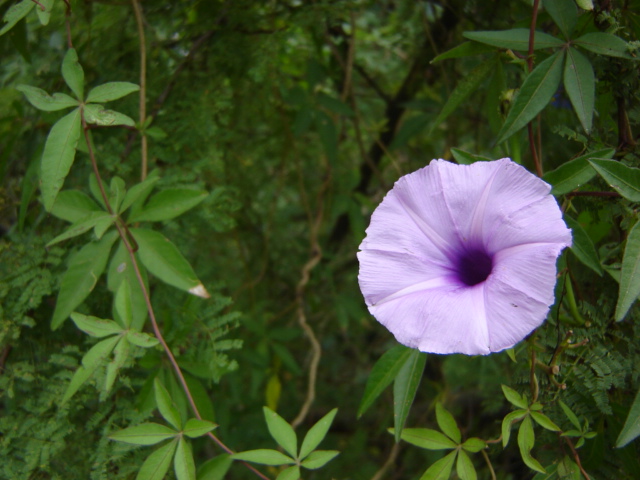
474	266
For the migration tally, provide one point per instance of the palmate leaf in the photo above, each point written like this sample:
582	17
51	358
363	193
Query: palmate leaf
405	387
466	49
144	434
16	13
626	180
574	173
139	192
465	468
440	470
534	95
281	432
195	428
165	405
630	274
508	420
120	356
290	473
111	91
94	326
73	206
514	39
564	13
169	204
580	84
217	468
43	101
92	220
264	456
427	438
44	15
72	73
319	459
316	434
98	115
514	397
526	441
447	423
604	44
631	429
183	463
157	464
583	247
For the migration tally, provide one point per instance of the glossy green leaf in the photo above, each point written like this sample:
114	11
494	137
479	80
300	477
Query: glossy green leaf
574	173
631	429
466	49
405	387
73	206
382	374
630	274
526	441
580	84
164	260
469	84
514	397
15	13
217	467
564	13
58	155
94	326
426	438
44	15
183	463
82	274
169	204
144	434
604	44
508	420
139	192
195	428
290	473
120	356
72	73
583	247
570	415
281	431
111	91
440	470
141	339
165	405
465	468
625	180
157	464
316	434
536	91
264	456
96	114
545	422
447	423
514	39
84	225
43	101
474	445
319	459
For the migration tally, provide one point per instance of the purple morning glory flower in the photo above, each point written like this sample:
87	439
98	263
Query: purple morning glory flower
462	258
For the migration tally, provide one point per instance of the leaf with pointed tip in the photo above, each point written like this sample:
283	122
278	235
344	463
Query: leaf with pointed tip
43	101
144	434
466	49
514	39
564	13
526	441
536	91
121	269
545	422
84	225
474	444
73	206
626	180
141	339
94	326
440	470
264	456
164	403
604	44
574	173
509	420
122	304
570	415
169	204
427	438
580	84
72	73
583	247
217	467
183	463
98	115
195	428
44	11
58	155
316	434
281	431
514	397
15	13
289	473
465	468
319	458
630	274
157	464
405	386
111	91
631	429
120	356
447	423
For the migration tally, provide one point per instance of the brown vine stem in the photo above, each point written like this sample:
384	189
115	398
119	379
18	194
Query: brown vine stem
316	349
532	35
577	458
67	23
122	232
137	9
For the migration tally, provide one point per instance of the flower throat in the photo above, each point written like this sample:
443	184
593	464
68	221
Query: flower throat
474	266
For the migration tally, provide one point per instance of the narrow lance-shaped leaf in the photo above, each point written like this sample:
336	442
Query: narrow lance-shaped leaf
514	397
574	173
465	468
583	247
630	274
604	44
526	440
165	405
514	39
44	11
405	386
440	470
16	13
580	84
122	303
197	428
72	73
319	459
183	463
120	356
139	192
157	464
264	456
169	204
84	225
58	155
73	206
631	429
564	13
98	115
281	431
536	91
427	438
43	101
217	467
144	434
466	49
626	180
111	91
447	423
316	434
94	326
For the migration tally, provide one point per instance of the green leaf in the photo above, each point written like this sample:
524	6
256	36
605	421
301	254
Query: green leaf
120	356
564	13
316	434
319	459
583	247
465	468
466	158
72	73
572	174
195	428
111	91
536	91
469	84
440	470
165	261
90	362
139	192
169	204
94	326
426	438
15	13
625	180
281	431
98	115
117	191
157	464
604	44
405	387
570	415
84	225
514	397
631	429
289	473
526	441
335	105
58	155
73	206
217	467
630	274
183	462
474	445
164	403
122	304
545	422
447	423
466	49
515	39
140	339
264	456
509	419
43	101
580	84
144	434
44	15
382	374
84	270
585	4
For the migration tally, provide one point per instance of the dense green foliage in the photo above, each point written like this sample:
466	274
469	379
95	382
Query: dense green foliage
244	181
